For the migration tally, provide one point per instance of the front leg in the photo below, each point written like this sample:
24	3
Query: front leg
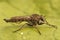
51	25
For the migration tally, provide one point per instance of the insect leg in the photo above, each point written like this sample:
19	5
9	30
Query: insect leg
51	25
19	28
37	29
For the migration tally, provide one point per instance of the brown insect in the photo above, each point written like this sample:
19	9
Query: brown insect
32	20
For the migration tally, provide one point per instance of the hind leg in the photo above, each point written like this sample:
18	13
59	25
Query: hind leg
19	28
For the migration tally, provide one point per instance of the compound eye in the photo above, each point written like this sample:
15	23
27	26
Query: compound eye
42	19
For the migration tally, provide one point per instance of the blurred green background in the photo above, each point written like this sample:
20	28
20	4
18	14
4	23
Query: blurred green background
49	8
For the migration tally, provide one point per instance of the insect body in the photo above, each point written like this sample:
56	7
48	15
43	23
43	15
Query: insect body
32	20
